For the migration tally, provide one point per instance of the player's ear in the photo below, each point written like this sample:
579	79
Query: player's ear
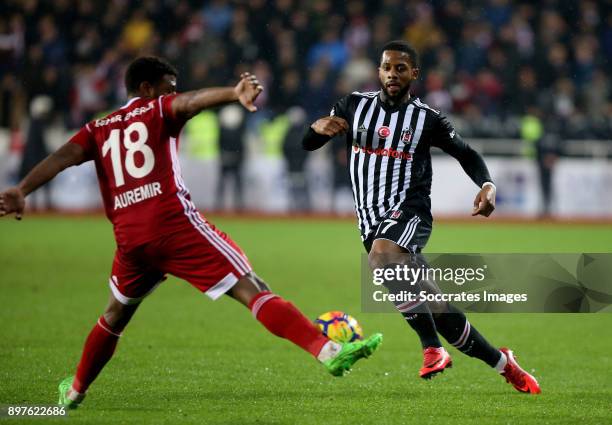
415	73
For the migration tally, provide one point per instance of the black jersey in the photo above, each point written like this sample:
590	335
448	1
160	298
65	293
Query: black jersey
389	158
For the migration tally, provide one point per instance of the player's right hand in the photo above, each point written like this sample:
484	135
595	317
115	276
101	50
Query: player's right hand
484	204
247	90
330	126
12	201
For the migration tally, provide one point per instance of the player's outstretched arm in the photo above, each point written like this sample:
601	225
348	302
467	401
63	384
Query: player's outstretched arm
446	138
191	103
322	130
12	200
474	166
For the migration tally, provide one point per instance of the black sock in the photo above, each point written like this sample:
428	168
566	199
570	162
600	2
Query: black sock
417	315
456	329
422	321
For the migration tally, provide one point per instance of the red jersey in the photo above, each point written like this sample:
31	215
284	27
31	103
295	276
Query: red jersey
135	151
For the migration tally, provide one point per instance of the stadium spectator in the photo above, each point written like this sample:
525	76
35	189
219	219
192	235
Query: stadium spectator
484	61
232	121
137	32
329	50
218	16
35	146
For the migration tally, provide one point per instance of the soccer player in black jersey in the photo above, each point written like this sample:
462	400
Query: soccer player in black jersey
389	134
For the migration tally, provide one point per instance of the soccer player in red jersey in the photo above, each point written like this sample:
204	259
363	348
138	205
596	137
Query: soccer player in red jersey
158	229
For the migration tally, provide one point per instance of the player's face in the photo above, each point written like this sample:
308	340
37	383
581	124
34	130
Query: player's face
167	85
396	73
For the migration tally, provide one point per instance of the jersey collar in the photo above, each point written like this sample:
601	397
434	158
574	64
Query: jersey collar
129	102
388	107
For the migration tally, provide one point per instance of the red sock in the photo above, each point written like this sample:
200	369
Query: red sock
99	348
283	319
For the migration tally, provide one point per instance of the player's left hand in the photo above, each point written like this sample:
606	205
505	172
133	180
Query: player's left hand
12	201
247	90
484	204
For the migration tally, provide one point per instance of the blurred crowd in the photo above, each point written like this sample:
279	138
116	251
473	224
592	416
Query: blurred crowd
488	63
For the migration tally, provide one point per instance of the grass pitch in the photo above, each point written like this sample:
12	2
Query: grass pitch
185	359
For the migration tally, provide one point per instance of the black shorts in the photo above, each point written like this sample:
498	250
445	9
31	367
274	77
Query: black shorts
405	227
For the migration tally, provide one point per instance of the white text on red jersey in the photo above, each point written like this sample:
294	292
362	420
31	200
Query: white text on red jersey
131	114
138	194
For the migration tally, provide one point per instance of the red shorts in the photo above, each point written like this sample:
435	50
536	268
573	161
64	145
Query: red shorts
203	256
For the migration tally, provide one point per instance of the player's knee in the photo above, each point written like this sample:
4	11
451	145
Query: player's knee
118	315
261	285
115	321
383	253
247	288
378	259
373	261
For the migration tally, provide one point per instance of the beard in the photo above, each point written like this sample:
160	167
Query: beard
400	94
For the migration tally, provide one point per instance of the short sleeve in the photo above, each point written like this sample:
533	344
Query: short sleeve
165	108
85	139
